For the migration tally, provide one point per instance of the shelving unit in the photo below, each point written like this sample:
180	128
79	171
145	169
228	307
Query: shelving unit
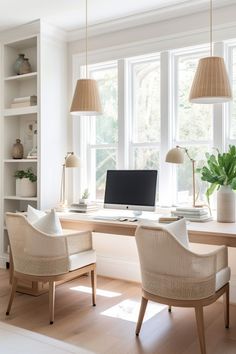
18	123
47	56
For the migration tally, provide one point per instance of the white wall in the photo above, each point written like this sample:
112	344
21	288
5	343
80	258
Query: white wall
117	255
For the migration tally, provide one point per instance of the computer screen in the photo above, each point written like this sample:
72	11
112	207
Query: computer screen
131	189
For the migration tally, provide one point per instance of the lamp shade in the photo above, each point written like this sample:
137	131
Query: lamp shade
86	100
175	155
72	161
211	83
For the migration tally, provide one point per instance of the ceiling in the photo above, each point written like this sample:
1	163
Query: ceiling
70	14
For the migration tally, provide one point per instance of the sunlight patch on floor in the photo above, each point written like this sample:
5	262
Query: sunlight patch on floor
100	292
129	310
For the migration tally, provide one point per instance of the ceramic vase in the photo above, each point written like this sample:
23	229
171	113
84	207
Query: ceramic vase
18	63
25	67
17	150
226	203
25	188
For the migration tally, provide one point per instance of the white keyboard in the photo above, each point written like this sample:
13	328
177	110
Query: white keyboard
114	218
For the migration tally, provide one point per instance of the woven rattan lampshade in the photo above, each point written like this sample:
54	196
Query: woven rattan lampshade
86	100
211	83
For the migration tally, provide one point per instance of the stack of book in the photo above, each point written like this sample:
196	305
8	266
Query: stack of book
198	214
24	101
83	208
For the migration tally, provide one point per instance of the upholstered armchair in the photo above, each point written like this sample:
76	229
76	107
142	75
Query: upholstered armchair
38	256
174	275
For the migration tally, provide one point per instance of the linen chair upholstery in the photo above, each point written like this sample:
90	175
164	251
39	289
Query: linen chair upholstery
43	257
173	274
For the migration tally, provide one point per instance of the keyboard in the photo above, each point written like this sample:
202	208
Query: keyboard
103	217
114	218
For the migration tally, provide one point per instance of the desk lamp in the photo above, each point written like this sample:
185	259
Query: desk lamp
176	155
71	161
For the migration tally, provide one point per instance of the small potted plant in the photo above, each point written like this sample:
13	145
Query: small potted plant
84	198
25	183
220	172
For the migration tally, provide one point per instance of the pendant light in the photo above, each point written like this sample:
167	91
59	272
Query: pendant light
211	83
86	100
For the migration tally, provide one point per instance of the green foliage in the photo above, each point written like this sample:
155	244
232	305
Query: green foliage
28	173
220	170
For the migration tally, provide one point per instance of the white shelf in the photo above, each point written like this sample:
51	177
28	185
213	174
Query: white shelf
14	197
21	77
19	160
20	111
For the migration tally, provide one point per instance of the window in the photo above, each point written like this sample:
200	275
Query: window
130	132
232	111
145	121
193	124
103	129
143	124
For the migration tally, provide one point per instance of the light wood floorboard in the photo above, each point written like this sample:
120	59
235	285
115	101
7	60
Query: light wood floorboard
79	323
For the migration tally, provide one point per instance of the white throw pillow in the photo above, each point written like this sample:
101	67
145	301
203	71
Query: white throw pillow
49	224
179	230
33	214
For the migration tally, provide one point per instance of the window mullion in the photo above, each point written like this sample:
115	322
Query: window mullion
165	176
122	153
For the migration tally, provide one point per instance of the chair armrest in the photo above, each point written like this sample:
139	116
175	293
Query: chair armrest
78	241
221	254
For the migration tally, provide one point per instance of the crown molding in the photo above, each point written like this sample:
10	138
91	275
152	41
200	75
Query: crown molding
225	32
157	15
33	28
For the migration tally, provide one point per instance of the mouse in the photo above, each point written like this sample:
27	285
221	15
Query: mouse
122	219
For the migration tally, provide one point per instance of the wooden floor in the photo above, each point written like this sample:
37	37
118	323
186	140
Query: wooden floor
110	326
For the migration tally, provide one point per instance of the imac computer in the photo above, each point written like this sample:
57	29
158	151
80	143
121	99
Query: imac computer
131	190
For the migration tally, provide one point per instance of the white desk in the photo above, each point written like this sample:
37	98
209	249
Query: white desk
211	232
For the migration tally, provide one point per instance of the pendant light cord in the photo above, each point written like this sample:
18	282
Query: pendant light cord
211	44
86	38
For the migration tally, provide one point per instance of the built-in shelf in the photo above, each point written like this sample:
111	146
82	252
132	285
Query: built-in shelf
20	111
19	160
21	77
14	197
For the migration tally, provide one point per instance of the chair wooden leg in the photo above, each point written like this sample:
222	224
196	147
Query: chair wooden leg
169	308
94	285
13	291
226	306
51	301
200	328
141	314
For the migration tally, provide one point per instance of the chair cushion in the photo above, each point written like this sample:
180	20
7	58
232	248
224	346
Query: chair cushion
81	259
33	214
179	230
222	277
49	224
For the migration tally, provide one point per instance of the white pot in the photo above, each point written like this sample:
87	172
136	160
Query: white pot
226	204
25	188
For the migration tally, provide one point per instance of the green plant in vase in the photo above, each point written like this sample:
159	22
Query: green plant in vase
26	183
220	171
28	173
